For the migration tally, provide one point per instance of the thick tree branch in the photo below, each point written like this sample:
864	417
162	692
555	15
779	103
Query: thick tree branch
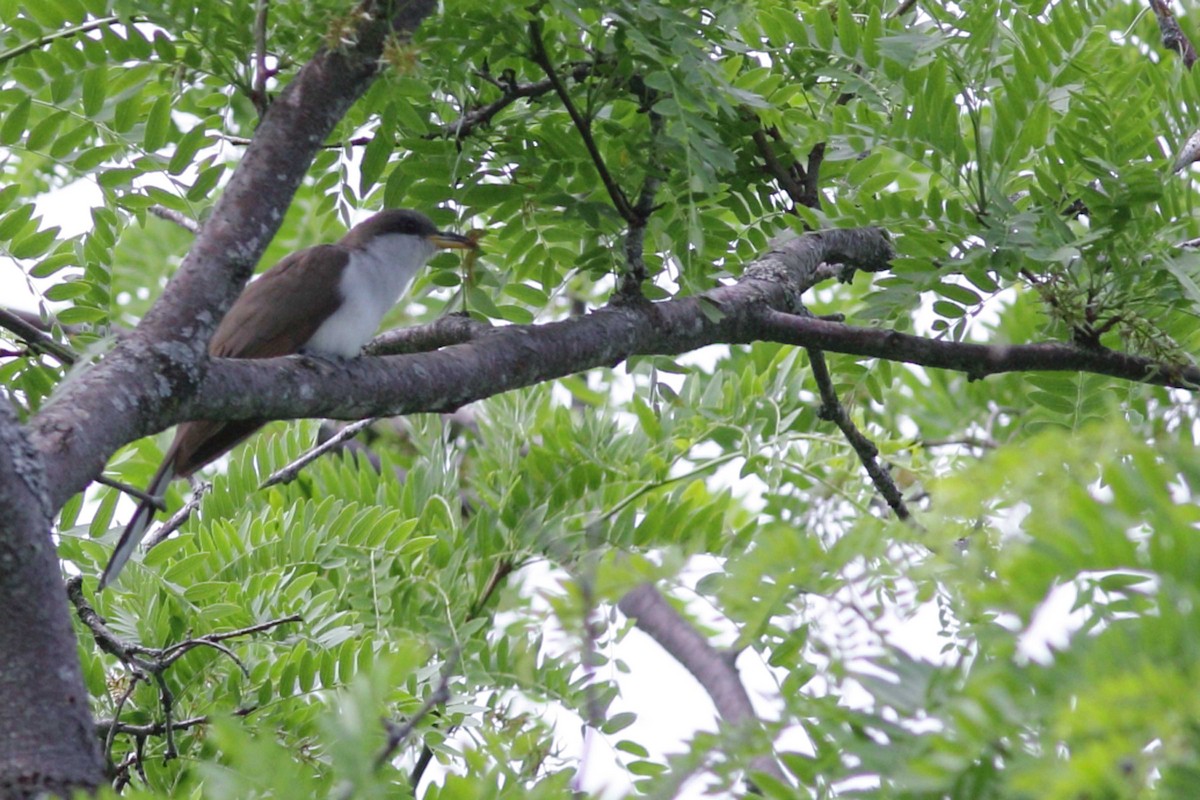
523	355
517	356
162	363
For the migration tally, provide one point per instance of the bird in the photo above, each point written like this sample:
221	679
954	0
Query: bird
326	301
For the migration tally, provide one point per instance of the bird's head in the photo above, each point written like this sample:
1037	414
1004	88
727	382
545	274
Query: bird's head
414	232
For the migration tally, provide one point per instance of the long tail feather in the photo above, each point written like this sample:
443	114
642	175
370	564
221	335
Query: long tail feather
135	531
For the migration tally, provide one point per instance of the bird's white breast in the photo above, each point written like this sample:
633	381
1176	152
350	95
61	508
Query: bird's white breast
371	283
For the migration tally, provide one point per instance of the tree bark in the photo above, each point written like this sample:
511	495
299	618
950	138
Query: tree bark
47	740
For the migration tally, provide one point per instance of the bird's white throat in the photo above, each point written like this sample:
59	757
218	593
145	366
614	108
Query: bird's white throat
371	283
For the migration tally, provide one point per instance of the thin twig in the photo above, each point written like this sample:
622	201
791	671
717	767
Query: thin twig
482	115
151	663
37	341
111	736
132	491
502	570
397	734
540	57
258	94
65	33
833	410
470	119
178	518
635	236
288	473
107	726
973	442
180	219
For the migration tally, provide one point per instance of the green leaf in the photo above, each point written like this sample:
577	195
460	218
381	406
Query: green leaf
95	90
14	221
375	158
14	122
206	181
186	149
34	245
158	124
42	133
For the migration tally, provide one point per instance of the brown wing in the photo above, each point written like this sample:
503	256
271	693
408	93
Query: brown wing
256	327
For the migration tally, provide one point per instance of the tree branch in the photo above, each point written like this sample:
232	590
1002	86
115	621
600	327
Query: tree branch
540	57
522	355
833	410
37	341
1173	37
656	617
171	215
258	94
512	92
147	664
65	33
288	473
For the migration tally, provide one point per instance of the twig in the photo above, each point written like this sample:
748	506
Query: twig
972	442
471	119
169	655
657	618
180	219
635	236
65	33
288	473
502	570
151	663
397	734
37	341
833	410
111	736
105	726
132	491
482	115
178	518
258	95
792	179
540	57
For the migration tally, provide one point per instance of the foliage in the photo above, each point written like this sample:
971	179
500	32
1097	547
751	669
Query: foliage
480	551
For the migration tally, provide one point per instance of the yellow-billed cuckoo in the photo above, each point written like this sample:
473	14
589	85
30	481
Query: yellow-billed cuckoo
326	300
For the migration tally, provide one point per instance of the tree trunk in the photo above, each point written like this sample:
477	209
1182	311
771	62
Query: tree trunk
47	740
